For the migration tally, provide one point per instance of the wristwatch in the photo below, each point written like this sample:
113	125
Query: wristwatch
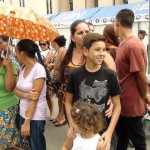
27	119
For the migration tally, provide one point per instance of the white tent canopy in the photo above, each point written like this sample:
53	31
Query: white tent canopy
100	15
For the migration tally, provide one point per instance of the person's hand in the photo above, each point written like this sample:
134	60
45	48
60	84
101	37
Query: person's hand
32	95
106	140
100	144
25	129
50	66
71	132
7	63
148	107
147	99
108	112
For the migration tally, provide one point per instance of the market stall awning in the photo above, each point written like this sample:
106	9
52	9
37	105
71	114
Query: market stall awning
107	14
66	18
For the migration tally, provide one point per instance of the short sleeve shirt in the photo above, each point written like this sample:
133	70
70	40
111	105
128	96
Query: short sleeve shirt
130	58
7	99
25	85
95	88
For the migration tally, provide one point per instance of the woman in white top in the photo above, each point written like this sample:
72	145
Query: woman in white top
31	89
45	52
88	123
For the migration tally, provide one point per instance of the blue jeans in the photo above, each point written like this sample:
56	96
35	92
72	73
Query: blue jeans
36	138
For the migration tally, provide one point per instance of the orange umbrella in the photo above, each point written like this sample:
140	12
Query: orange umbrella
24	23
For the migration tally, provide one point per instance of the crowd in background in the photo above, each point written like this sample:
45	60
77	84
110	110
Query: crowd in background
100	82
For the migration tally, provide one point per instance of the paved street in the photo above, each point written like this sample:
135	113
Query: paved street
55	136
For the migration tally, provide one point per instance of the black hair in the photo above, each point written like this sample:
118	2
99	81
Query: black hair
6	39
60	40
72	45
31	48
142	32
126	17
90	38
28	46
46	42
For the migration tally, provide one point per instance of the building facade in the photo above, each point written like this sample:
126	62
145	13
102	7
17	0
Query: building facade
44	7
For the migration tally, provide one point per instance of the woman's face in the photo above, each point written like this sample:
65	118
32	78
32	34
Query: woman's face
43	45
81	30
19	56
3	45
53	44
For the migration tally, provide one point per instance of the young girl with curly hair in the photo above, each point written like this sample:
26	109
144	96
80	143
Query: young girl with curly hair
88	122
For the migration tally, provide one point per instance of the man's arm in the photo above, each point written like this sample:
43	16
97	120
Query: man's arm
142	83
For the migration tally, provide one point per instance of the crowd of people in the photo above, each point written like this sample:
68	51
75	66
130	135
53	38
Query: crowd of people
100	82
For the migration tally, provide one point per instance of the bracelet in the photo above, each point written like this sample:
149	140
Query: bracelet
27	119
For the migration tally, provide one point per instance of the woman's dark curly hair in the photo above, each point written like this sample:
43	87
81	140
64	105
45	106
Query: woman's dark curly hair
60	40
72	45
87	116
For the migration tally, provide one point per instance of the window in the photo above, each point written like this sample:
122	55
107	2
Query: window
49	6
22	3
71	4
125	1
96	3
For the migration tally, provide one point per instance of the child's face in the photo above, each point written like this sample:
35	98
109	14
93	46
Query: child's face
96	53
77	129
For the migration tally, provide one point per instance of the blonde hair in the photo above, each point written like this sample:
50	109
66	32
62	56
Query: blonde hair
87	116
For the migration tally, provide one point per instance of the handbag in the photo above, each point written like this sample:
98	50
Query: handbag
25	144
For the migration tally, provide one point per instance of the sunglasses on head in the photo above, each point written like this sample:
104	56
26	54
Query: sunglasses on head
43	44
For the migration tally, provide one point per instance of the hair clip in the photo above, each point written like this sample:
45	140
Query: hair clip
77	111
